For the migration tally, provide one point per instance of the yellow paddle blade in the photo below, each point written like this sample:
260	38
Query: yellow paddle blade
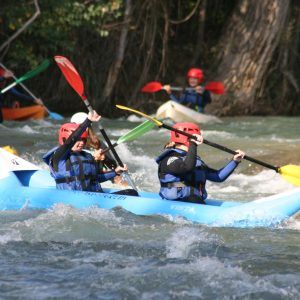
291	173
10	149
158	123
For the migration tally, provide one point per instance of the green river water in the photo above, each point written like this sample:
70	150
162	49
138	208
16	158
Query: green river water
65	253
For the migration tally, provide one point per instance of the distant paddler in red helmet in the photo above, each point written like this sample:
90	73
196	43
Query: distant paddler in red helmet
182	174
70	166
194	96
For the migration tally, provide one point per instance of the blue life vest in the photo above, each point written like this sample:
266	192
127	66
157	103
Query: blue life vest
194	100
176	187
77	172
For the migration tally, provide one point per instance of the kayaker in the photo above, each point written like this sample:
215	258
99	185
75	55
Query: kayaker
4	76
75	169
94	143
194	96
182	173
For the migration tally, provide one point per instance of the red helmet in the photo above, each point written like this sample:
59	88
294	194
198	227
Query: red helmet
67	129
187	127
195	73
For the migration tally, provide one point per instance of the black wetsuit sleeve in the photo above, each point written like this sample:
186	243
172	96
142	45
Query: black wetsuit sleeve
65	149
176	165
18	94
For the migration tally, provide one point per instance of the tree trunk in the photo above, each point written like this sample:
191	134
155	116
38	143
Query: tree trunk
19	31
200	34
116	67
247	47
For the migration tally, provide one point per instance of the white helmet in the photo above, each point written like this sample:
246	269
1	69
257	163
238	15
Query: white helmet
79	118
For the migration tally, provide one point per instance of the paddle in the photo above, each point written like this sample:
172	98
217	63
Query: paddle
43	66
75	81
52	115
133	134
215	87
290	172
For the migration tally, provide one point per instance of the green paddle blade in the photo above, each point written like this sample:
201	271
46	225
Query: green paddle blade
291	173
136	132
43	66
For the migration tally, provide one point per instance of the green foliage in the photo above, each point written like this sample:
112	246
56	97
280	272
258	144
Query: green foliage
56	29
88	32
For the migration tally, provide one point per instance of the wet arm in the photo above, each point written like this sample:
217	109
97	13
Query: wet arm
222	174
181	166
104	176
15	92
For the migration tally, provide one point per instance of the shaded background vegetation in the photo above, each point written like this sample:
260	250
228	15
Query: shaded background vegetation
118	46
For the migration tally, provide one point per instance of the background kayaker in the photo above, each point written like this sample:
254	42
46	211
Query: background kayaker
182	173
75	169
194	96
106	160
5	75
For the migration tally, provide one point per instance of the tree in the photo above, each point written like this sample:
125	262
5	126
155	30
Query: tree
23	27
120	52
246	50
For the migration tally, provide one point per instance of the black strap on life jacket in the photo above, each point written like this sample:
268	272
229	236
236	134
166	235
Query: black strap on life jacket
70	179
81	173
82	177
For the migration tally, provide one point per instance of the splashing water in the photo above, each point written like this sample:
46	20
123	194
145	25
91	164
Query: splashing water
113	254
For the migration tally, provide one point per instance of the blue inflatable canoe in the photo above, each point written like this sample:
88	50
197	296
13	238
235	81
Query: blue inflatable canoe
25	186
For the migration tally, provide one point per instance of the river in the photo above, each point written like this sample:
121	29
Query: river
99	254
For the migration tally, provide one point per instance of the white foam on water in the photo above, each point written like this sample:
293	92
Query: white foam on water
292	223
9	235
280	139
184	239
211	278
29	130
135	118
65	223
44	123
230	280
265	182
218	134
143	168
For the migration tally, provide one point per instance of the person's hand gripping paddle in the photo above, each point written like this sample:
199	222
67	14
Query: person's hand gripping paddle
291	173
75	81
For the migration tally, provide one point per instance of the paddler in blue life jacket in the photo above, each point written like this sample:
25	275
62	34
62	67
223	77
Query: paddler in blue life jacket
94	143
182	174
75	169
194	96
4	76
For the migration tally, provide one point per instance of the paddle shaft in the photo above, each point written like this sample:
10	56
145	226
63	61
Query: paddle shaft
117	157
45	64
177	88
21	84
110	145
74	79
190	89
28	91
109	148
223	148
8	87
